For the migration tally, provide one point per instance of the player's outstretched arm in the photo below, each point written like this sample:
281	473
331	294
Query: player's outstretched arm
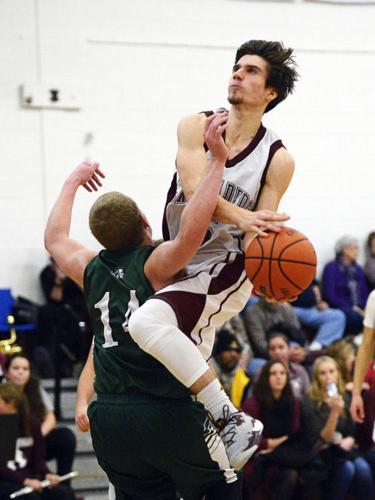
191	161
70	255
172	256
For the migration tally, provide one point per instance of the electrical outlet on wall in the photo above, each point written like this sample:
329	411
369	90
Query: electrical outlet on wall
43	96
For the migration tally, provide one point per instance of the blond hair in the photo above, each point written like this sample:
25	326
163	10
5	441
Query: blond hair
115	221
317	392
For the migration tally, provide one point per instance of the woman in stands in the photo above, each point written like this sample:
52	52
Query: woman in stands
344	284
273	473
28	467
60	441
329	405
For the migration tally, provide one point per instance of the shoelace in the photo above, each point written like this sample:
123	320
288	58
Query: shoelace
227	425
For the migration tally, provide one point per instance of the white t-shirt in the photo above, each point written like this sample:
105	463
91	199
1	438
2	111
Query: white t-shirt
369	319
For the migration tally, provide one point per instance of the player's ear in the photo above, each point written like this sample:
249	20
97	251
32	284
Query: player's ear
271	94
145	224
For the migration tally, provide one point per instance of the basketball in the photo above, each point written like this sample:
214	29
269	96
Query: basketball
282	265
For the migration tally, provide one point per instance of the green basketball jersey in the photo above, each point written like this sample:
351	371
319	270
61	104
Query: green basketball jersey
115	286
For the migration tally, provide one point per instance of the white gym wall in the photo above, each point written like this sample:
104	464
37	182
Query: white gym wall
135	67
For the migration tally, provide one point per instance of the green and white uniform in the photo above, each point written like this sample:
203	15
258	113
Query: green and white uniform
150	437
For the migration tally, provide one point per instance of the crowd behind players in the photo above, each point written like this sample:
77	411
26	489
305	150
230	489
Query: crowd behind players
289	365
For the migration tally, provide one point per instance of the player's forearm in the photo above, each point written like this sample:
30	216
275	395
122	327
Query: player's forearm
85	388
59	220
364	356
198	212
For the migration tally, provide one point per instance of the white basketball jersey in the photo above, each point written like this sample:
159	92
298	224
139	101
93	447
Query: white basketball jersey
243	179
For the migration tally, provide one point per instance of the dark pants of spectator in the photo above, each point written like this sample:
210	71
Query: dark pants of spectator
356	472
370	458
59	492
273	482
354	322
61	446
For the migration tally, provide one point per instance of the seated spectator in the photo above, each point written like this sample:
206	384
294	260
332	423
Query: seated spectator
63	324
225	361
273	472
370	262
344	353
28	467
344	284
263	315
60	441
313	312
279	350
329	405
236	327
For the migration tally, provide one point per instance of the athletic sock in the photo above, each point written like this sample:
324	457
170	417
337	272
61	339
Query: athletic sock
214	398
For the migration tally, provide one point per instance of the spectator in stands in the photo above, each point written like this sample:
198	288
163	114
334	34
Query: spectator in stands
370	262
329	405
28	467
279	350
344	284
313	312
225	361
60	441
236	327
344	353
260	317
63	322
274	469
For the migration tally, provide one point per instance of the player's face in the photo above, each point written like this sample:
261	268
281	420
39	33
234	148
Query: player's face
327	373
19	372
278	349
278	377
247	85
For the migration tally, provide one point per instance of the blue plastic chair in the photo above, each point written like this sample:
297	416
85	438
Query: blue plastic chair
6	309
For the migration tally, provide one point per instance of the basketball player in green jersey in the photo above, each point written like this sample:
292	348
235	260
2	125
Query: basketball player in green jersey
148	434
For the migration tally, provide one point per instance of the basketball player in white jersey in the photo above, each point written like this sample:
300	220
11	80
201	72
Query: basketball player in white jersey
215	288
364	356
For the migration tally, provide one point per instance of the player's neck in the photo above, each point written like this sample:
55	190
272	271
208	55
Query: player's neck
242	126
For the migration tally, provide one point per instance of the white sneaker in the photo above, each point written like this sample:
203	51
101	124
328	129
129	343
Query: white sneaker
315	346
241	435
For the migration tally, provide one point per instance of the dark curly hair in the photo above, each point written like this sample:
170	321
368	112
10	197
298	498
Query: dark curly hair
282	73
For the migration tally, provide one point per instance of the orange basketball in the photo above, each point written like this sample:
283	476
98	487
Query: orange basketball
282	265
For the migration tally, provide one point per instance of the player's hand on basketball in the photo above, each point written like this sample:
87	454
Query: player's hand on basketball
261	222
87	175
214	128
357	410
82	420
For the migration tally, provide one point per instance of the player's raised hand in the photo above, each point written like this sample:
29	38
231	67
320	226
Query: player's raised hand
87	175
214	128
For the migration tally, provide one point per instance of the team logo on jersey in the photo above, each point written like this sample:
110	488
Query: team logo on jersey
118	273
